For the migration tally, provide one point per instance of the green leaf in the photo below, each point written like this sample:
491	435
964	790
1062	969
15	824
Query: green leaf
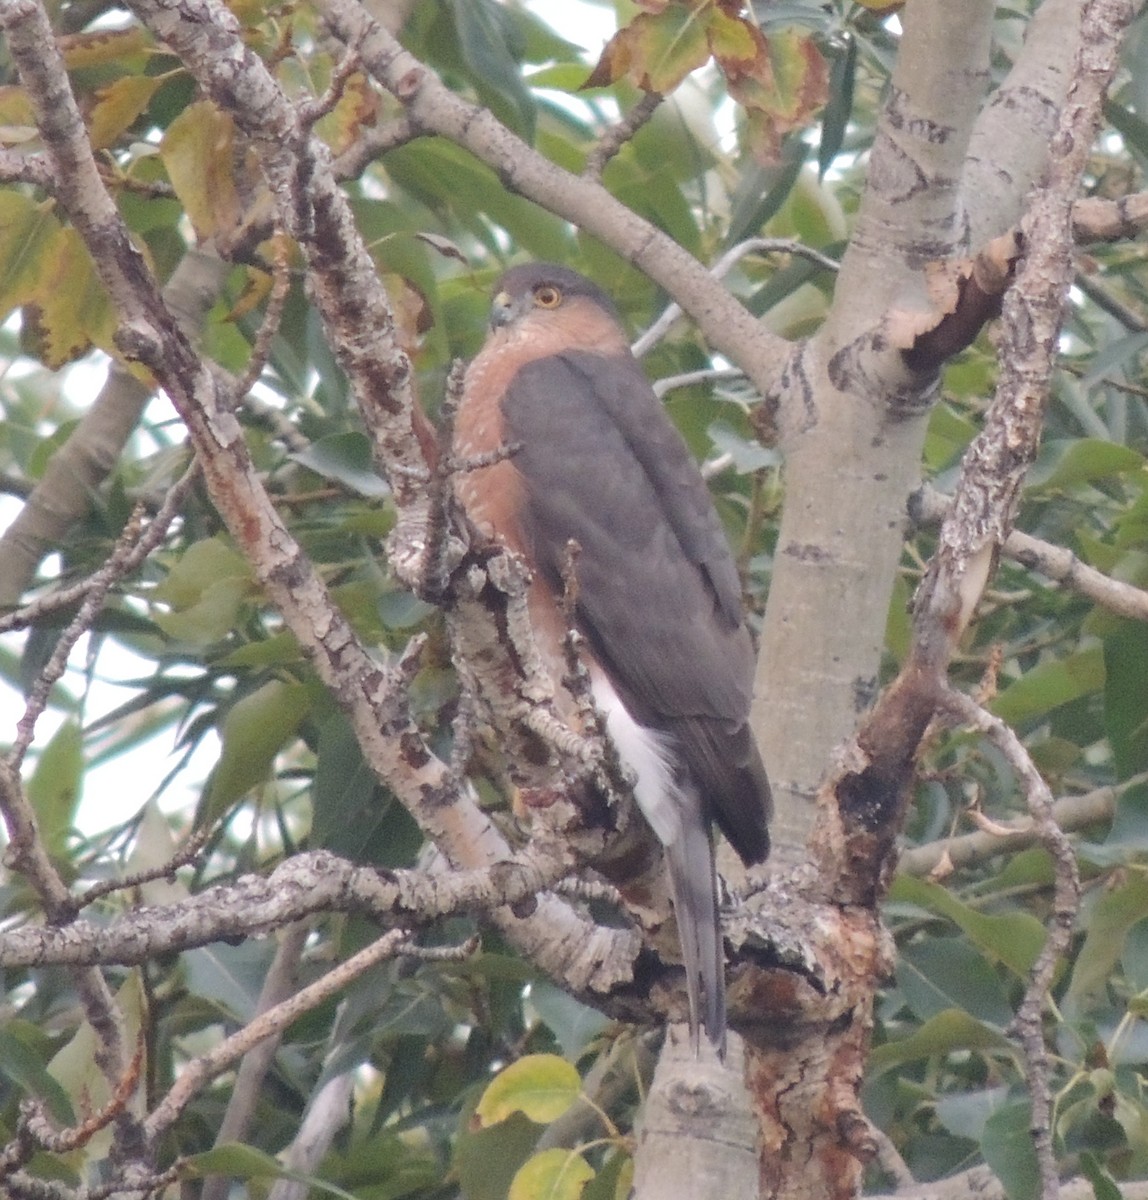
246	1162
488	1159
936	974
555	1174
344	458
230	978
205	589
485	33
21	1062
839	107
1050	685
1015	939
1008	1149
964	1114
946	1033
1104	1187
1126	696
1067	463
254	731
201	565
56	786
27	231
346	807
1108	923
748	454
573	1023
541	1086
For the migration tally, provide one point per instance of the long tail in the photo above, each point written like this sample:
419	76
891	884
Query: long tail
693	887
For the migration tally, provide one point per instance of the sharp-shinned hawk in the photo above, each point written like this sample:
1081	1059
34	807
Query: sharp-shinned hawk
658	598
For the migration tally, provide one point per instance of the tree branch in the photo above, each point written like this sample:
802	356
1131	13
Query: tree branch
433	108
970	849
300	887
1029	1019
928	506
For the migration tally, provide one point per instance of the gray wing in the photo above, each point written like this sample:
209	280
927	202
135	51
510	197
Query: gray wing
659	597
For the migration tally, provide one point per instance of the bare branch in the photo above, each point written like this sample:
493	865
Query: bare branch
1054	562
25	168
1069	813
1008	150
200	1071
298	888
1029	1020
371	145
1095	219
721	269
279	983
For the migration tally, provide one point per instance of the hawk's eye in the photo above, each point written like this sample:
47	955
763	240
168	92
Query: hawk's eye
546	295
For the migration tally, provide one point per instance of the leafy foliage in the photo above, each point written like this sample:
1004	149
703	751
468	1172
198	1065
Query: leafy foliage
214	678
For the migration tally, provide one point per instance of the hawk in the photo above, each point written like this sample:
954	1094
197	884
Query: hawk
658	600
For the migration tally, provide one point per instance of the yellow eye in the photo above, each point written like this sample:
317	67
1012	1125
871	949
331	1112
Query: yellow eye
546	295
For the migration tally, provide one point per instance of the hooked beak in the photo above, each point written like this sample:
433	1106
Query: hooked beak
503	310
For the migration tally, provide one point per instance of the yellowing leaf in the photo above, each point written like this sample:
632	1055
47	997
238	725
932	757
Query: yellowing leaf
69	309
732	39
17	121
117	106
780	88
357	108
128	49
27	231
198	151
552	1175
256	289
657	50
541	1086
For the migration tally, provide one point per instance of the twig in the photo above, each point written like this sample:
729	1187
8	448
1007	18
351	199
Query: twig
619	134
371	144
133	555
181	858
304	885
26	168
312	111
1097	220
579	888
278	985
64	1141
1028	1022
721	269
1069	812
272	317
200	1071
436	567
689	378
1057	563
98	586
